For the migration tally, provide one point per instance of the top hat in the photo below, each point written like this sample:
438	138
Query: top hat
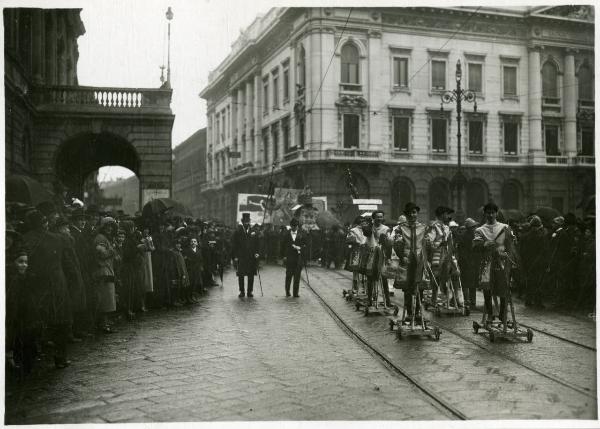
246	216
410	207
294	222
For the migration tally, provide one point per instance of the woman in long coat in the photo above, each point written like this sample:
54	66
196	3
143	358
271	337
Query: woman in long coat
132	269
147	280
104	274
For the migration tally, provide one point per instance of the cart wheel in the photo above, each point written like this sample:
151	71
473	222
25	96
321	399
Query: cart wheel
529	335
467	311
391	325
367	310
476	327
436	333
492	337
396	310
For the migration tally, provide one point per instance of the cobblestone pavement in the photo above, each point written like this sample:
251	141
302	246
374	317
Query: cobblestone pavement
267	358
475	376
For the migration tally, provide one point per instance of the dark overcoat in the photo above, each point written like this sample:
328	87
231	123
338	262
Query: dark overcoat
294	260
244	247
48	263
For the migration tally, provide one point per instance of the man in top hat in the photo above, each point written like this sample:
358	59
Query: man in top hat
409	241
534	249
294	243
245	254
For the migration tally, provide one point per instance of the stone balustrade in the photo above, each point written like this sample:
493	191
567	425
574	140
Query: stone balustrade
104	98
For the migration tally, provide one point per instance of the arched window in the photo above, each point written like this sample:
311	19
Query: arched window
349	64
585	83
301	66
439	192
402	193
549	82
476	197
511	194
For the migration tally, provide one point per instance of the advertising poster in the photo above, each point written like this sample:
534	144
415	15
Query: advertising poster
253	204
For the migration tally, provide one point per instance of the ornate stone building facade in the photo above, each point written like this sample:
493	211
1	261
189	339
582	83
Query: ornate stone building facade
189	172
59	132
308	93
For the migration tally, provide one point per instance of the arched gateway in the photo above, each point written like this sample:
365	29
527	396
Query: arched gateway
89	129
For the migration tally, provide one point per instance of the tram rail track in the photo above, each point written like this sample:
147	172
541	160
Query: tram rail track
439	323
394	367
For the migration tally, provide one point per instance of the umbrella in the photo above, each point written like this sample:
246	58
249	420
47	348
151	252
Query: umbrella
24	189
327	219
547	214
161	206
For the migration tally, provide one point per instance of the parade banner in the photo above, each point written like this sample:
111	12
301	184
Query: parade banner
288	203
254	204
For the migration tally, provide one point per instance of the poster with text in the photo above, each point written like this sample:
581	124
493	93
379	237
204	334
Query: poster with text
253	204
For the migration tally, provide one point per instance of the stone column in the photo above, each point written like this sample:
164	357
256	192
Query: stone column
257	119
535	103
570	103
62	50
239	108
37	47
249	121
51	39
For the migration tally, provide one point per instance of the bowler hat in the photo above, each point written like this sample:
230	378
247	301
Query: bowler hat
443	209
294	222
410	207
35	219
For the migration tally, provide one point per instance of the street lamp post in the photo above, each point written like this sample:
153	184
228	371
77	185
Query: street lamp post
169	16
459	95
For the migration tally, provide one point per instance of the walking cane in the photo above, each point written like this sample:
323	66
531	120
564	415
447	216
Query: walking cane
259	280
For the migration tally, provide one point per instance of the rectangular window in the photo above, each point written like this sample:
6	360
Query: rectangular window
401	72
510	81
551	139
218	128
351	130
285	131
475	77
475	137
286	85
265	95
275	143
438	74
401	133
275	91
587	142
265	139
223	123
301	133
511	138
438	135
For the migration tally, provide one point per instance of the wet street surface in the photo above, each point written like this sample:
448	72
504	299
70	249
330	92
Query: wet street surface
278	358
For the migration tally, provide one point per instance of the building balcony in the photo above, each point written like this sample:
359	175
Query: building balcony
589	161
557	159
90	99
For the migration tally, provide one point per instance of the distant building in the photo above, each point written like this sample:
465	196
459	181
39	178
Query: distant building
120	194
189	172
318	91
